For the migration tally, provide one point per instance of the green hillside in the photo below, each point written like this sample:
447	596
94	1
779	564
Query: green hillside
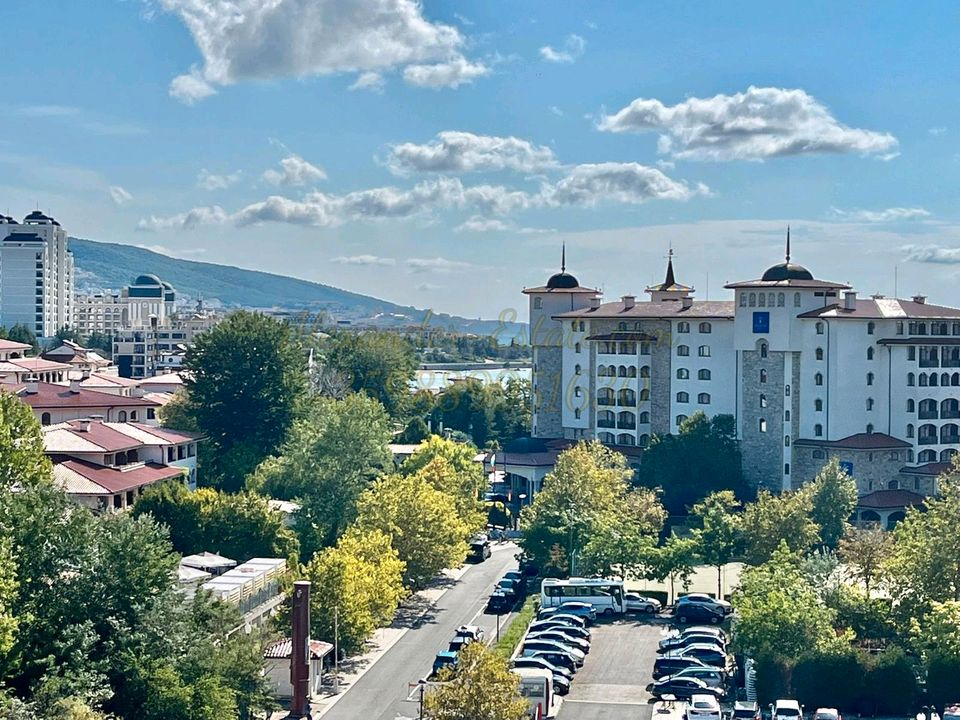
111	265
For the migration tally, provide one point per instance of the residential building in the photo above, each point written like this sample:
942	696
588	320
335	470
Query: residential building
809	370
145	352
145	301
80	359
277	671
254	587
53	404
36	274
31	369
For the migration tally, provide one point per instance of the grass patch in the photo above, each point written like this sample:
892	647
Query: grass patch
511	636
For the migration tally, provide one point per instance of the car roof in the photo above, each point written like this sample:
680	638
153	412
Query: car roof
745	705
446	655
787	704
710	699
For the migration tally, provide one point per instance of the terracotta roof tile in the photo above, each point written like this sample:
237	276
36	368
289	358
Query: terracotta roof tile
859	441
883	499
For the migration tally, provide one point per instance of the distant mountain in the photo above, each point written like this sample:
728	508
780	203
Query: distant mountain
111	265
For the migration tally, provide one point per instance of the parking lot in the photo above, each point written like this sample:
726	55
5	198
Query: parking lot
611	684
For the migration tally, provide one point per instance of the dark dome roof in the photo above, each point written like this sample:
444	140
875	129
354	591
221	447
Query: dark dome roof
562	281
37	216
787	271
147	280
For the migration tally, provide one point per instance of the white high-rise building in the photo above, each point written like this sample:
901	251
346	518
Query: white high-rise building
36	274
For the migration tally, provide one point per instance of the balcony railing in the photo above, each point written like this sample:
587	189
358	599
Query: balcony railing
627	426
927	440
949	439
606	401
927	415
627	403
950	414
929	363
606	424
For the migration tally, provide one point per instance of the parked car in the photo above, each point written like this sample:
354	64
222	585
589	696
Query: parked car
827	714
574	620
479	548
445	659
516	575
578	643
459	643
704	599
713	677
746	711
697	613
678	643
709	654
508	586
703	630
544	644
472	631
786	710
554	657
632	602
580	609
951	711
567	628
682	688
500	602
561	676
666	666
704	706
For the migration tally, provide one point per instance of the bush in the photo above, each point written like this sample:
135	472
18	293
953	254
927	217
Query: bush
815	679
773	679
942	674
514	633
891	686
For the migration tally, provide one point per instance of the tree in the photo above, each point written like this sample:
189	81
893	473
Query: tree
246	383
100	341
864	551
481	688
422	523
586	489
779	613
718	537
924	564
775	518
357	584
23	334
8	595
703	458
487	413
22	457
938	636
626	548
675	559
416	431
378	363
834	497
458	476
67	333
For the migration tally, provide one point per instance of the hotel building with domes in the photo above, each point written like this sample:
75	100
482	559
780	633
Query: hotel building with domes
808	369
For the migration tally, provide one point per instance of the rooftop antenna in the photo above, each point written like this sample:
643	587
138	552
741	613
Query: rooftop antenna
896	268
563	257
788	243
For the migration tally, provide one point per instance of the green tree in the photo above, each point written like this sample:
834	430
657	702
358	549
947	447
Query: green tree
864	551
482	688
834	497
924	563
378	363
100	341
23	334
586	490
414	432
626	548
422	523
247	383
675	560
67	333
8	595
703	458
718	537
779	613
358	585
458	476
22	457
775	518
938	637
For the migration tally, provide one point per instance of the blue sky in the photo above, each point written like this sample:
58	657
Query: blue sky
438	154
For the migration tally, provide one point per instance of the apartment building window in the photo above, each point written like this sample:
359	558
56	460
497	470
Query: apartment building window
683	397
576	348
538	303
704	351
899	327
645	371
681	419
577	391
762	300
581	326
786	416
871	327
763	400
869	378
644	418
644	395
763	350
869	428
819	328
786	468
910	380
818	379
796	299
780	299
786	441
705	328
763	375
122	416
703	398
818	405
743	299
683	327
869	353
683	374
621	326
911	406
683	351
45	418
818	430
576	369
576	413
762	425
753	299
703	374
819	353
644	348
869	403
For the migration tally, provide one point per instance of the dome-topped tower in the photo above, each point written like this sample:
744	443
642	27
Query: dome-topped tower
562	280
787	270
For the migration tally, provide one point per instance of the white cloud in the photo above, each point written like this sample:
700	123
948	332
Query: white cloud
368	81
478	223
209	181
937	131
627	183
437	265
294	170
245	40
454	151
363	260
214	215
48	111
119	195
893	214
753	125
932	254
573	47
450	74
556	111
428	287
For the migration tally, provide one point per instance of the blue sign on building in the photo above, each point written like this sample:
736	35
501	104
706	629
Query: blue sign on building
847	467
761	322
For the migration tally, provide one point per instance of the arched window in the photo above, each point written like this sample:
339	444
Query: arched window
631	371
636	325
911	406
683	350
683	374
819	454
947	455
753	299
780	299
869	403
869	428
933	380
644	395
949	434
122	416
911	431
762	425
625	439
796	299
927	409
786	390
681	419
704	351
871	327
910	380
622	371
606	419
762	300
819	353
786	416
703	374
869	378
576	413
705	327
703	398
763	375
627	398
955	379
818	405
683	327
644	440
926	456
763	400
621	326
683	397
645	371
819	328
576	348
538	303
45	418
944	379
607	438
950	408
605	396
818	430
786	441
899	327
743	299
644	418
771	299
818	379
763	350
576	369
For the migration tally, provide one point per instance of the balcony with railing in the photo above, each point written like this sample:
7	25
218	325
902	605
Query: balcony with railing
606	401
927	440
606	424
627	424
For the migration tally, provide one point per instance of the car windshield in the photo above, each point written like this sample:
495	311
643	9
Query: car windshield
744	713
788	712
703	704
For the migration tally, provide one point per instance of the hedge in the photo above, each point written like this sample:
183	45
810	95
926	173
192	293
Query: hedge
514	632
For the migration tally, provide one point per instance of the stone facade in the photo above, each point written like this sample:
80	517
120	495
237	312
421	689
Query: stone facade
762	409
548	391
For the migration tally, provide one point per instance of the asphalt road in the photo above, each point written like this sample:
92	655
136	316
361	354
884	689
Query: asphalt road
382	692
611	684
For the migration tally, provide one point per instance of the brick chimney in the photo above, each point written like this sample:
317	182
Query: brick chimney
594	303
84	425
919	299
32	387
629	301
686	302
75	387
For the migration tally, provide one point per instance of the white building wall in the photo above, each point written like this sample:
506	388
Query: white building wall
722	364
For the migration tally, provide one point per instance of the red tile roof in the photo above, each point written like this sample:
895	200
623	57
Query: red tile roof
859	441
649	309
12	346
884	309
106	437
885	499
934	468
113	480
283	649
49	395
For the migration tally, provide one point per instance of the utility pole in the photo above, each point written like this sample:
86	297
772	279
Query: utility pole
336	649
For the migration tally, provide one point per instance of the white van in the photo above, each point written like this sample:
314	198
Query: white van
786	710
536	686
